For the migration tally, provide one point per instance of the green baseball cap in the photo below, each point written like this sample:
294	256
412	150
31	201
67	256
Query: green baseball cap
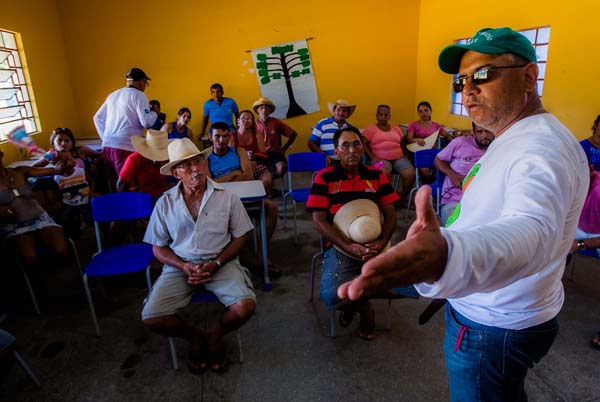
488	41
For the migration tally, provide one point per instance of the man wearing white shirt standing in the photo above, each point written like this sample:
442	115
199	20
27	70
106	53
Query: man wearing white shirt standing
500	259
124	114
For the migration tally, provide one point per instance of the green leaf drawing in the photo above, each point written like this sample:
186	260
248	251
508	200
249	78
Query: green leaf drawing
263	73
262	64
282	49
261	57
276	76
265	80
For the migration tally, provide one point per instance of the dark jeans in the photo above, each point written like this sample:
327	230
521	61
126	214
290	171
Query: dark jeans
337	269
488	363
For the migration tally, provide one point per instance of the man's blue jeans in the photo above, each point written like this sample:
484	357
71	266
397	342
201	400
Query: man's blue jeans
488	363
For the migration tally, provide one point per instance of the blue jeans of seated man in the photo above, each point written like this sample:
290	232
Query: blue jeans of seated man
488	363
337	269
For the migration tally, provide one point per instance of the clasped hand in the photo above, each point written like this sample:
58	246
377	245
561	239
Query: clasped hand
197	274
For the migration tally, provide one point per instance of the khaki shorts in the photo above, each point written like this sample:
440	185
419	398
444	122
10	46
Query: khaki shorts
231	283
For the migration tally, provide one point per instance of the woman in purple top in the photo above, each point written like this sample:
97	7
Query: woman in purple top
424	127
179	128
591	145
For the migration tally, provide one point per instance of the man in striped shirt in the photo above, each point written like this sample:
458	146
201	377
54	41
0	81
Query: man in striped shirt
333	187
321	139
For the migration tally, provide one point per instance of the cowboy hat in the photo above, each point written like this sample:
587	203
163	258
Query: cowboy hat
179	150
342	103
153	146
358	221
263	101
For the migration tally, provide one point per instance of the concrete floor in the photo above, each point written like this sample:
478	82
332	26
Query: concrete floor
287	353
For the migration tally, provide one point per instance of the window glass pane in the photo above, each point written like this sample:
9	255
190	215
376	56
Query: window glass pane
542	52
7	113
9	40
30	125
543	35
3	55
455	108
530	34
7	93
542	68
28	111
5	76
21	76
463	111
457	97
24	93
16	59
540	85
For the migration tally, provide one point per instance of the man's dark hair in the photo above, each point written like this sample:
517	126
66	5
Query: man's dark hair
155	102
352	129
516	60
217	86
385	106
183	110
424	103
65	131
219	126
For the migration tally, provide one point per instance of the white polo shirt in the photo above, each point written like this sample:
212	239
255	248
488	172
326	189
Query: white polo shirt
221	216
517	221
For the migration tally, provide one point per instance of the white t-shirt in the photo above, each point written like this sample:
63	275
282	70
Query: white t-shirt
125	113
516	223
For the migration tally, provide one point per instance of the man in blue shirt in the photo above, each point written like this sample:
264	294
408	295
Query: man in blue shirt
321	139
219	109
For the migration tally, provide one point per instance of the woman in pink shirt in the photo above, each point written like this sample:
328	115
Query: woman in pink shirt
424	127
384	142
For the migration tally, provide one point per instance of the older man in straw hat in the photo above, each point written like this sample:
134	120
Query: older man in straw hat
141	171
197	230
272	130
500	260
321	139
334	188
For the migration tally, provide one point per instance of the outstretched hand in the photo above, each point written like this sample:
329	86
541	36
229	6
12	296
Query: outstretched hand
420	257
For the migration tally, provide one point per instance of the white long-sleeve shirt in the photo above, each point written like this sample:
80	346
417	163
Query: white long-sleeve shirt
517	221
125	113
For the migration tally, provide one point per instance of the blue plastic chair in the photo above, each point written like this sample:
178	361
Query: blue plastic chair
300	162
202	296
423	159
124	259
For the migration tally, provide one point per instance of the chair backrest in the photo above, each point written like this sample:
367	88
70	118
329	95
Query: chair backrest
426	158
306	161
121	206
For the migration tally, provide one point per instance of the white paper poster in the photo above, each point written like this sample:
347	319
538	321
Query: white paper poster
285	75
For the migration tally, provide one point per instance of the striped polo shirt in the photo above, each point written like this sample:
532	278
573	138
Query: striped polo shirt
333	187
323	135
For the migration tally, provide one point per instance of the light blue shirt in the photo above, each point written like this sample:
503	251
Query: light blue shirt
223	112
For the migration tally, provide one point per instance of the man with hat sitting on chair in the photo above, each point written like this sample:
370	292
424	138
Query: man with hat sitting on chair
197	230
272	130
339	193
321	139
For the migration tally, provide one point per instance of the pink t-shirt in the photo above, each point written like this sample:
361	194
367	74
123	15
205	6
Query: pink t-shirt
589	221
423	132
462	153
385	144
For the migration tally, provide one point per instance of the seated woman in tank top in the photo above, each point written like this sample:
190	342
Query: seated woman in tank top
22	219
179	128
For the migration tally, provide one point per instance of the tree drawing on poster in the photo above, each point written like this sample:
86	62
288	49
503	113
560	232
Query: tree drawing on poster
286	77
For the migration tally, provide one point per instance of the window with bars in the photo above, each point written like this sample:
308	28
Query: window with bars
540	38
16	106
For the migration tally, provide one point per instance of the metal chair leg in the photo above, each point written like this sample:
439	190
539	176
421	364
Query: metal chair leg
239	339
332	323
76	254
173	354
148	279
91	304
284	202
295	224
410	195
31	293
27	369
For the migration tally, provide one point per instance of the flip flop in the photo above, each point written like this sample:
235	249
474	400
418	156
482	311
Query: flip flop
346	317
595	344
219	362
196	364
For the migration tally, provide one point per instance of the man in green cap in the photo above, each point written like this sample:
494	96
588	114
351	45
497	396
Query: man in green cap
500	259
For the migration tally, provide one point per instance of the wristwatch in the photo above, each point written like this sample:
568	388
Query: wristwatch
216	261
581	245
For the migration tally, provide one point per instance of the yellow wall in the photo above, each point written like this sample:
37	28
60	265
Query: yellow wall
361	52
572	87
38	23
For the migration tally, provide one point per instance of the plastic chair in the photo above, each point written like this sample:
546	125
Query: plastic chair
300	162
423	159
203	296
6	340
124	259
396	293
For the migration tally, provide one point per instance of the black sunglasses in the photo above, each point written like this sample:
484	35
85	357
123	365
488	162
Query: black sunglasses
479	77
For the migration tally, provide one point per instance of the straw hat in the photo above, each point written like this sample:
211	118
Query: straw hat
343	103
179	150
359	221
263	101
153	146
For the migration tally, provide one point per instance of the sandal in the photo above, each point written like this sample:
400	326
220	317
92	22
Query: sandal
367	331
346	317
594	343
219	362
